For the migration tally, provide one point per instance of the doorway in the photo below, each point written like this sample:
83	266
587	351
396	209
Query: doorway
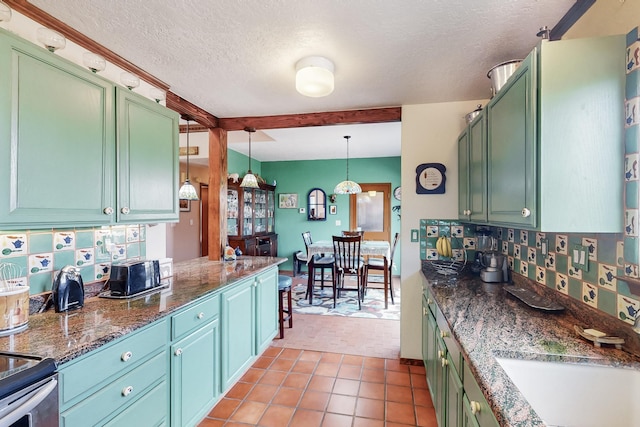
370	211
204	219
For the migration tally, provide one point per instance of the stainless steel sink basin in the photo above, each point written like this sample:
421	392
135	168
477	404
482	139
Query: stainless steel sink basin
569	394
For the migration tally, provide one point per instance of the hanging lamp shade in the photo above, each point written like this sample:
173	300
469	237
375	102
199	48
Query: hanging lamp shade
187	191
314	76
347	186
249	180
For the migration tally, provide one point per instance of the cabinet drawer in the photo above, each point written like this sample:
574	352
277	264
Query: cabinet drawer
483	414
110	361
430	301
447	336
150	410
195	316
118	394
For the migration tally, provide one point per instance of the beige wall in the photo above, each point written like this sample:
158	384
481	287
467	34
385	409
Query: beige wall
429	134
605	18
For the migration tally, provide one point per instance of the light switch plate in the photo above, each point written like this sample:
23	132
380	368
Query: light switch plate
414	235
580	257
544	247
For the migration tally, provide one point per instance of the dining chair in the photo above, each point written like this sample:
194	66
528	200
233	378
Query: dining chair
320	261
348	262
375	263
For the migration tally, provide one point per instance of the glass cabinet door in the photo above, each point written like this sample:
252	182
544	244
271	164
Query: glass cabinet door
260	211
247	212
232	212
271	206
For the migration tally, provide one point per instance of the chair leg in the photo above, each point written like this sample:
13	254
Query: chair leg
290	308
391	288
281	313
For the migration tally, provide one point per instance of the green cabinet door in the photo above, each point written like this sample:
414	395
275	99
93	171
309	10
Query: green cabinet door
267	308
454	394
237	331
512	189
56	139
463	174
147	141
477	186
431	362
439	393
195	382
468	418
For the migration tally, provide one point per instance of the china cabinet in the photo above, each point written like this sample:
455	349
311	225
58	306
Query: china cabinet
251	219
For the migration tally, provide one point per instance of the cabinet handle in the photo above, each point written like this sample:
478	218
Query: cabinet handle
424	311
467	212
127	391
126	356
475	407
526	213
445	362
443	334
125	210
429	301
108	210
440	354
200	315
178	352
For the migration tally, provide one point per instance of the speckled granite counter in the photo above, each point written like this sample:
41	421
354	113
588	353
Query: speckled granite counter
489	323
64	336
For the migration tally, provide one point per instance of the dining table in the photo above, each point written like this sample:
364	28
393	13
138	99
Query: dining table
368	248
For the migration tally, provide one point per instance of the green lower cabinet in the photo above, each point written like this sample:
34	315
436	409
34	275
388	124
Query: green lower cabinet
267	308
479	406
237	331
468	417
146	411
430	350
195	377
454	394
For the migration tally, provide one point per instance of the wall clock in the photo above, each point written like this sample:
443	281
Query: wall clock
430	178
397	193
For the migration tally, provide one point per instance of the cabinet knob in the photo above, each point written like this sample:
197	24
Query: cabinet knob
125	210
126	356
127	390
200	315
440	354
108	210
475	407
444	362
467	212
526	213
443	334
429	301
178	352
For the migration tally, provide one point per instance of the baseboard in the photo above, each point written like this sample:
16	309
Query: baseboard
412	362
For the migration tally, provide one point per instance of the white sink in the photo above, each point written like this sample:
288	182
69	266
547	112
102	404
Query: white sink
567	394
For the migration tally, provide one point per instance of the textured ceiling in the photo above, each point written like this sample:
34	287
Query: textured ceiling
237	58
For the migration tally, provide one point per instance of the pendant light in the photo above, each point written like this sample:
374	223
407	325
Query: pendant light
187	191
249	180
347	187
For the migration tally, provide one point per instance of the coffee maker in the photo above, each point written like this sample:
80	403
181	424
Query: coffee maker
492	265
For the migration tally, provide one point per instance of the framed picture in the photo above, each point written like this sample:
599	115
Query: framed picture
288	200
185	205
333	209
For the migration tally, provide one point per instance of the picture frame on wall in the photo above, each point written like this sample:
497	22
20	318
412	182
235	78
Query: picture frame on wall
333	209
185	205
288	200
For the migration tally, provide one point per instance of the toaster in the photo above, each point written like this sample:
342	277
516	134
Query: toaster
133	277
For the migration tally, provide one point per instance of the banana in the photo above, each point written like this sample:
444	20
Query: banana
439	246
447	245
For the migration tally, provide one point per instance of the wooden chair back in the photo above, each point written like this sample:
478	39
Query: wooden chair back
346	250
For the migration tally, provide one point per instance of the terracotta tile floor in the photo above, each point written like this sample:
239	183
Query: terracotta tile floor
322	374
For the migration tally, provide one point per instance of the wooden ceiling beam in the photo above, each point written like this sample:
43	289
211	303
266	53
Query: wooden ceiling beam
374	115
43	18
196	113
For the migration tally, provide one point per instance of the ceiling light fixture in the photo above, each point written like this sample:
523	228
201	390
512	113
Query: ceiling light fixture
130	80
314	76
249	180
93	61
52	40
5	12
187	191
347	187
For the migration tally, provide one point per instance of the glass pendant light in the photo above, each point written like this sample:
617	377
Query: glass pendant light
249	179
347	187
187	191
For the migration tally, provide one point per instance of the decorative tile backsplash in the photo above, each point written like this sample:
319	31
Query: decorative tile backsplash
33	258
599	286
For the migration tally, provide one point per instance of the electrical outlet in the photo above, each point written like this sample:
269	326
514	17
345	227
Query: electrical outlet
580	257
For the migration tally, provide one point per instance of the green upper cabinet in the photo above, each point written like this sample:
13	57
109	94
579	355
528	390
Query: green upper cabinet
56	139
555	139
472	167
147	143
77	151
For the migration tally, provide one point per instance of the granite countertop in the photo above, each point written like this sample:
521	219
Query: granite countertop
487	322
65	336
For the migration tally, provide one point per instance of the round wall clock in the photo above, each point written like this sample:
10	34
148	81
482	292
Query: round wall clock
397	193
430	178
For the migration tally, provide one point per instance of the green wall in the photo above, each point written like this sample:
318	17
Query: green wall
301	176
238	163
